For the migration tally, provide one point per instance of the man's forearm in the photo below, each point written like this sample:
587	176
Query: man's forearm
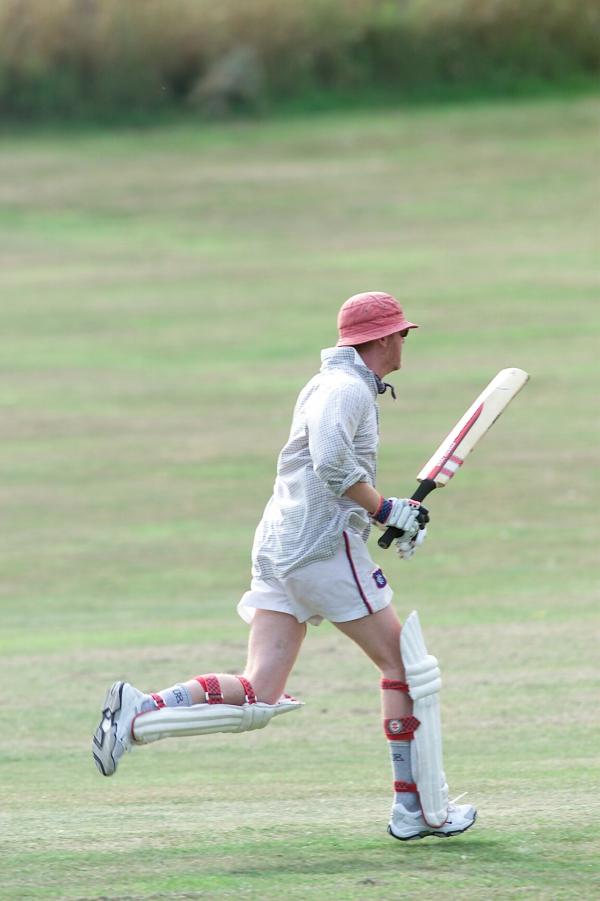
364	494
403	513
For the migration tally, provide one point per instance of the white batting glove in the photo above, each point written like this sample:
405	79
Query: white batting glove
405	548
401	513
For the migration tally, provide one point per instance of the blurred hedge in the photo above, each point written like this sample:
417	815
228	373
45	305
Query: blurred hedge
72	58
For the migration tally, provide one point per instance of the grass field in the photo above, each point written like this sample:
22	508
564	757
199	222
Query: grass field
164	295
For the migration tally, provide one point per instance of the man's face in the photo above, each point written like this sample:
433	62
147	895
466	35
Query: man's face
395	350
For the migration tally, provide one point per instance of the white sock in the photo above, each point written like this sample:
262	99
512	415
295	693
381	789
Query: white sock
176	696
400	754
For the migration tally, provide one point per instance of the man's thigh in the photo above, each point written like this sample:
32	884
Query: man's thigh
379	637
273	646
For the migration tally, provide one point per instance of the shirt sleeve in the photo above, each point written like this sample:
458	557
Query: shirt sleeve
332	419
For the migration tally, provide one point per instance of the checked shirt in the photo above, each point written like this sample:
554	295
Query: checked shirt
332	445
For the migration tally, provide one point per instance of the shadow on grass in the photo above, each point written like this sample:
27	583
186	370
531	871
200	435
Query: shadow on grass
343	856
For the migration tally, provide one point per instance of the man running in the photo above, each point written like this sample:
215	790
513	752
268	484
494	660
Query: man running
310	562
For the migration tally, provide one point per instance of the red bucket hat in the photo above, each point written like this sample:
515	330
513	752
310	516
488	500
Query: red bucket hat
371	315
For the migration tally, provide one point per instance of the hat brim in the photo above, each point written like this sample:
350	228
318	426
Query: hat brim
361	336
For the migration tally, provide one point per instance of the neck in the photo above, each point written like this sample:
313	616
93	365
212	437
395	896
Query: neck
373	361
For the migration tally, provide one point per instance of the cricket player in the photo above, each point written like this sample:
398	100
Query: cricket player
310	562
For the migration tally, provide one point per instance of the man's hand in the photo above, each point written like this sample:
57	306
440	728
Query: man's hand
406	547
401	513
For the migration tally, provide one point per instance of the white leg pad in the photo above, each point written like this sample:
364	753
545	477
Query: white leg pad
424	682
202	719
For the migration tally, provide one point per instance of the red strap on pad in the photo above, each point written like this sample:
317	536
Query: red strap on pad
248	690
393	685
212	688
401	728
400	786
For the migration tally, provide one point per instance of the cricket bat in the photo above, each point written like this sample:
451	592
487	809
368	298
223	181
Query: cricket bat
460	441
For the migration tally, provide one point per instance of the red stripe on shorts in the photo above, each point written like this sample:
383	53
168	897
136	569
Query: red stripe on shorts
355	574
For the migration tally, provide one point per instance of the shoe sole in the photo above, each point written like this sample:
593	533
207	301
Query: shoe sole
410	838
105	736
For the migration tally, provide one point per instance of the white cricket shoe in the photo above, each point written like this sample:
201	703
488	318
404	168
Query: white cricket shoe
113	736
406	825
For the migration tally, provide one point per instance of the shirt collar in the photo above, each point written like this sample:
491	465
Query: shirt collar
349	359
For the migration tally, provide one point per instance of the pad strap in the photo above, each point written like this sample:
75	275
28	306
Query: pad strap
212	688
400	786
158	700
248	690
401	729
393	685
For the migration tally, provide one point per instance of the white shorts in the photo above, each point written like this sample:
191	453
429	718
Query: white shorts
347	586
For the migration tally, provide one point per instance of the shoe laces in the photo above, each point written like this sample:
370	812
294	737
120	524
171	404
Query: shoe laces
452	803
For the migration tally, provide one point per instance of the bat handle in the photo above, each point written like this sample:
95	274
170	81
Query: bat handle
425	488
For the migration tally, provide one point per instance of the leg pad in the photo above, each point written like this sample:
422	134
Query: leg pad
423	675
203	719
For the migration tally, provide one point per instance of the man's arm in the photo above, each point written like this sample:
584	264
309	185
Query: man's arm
403	513
332	419
365	495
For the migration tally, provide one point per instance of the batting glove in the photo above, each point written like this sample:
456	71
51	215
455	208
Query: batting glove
401	513
405	548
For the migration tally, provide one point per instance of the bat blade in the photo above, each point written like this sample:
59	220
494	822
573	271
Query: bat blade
470	428
460	441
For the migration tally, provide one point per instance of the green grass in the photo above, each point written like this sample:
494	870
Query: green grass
164	295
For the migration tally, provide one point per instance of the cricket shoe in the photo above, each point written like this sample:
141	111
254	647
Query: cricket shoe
406	825
113	736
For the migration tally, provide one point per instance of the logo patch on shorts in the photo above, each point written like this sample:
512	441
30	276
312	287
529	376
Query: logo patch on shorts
379	579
